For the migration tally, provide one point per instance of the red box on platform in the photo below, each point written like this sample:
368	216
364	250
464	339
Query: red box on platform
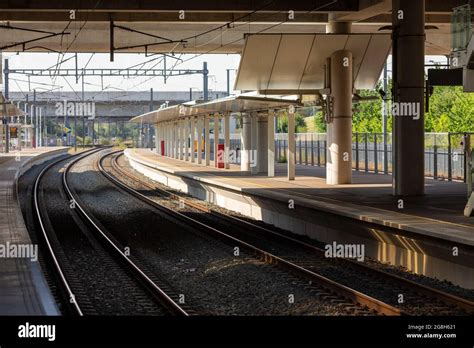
220	155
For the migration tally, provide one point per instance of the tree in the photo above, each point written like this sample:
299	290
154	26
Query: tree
300	124
451	110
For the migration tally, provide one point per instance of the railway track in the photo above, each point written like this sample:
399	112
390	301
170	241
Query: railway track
92	270
333	290
418	298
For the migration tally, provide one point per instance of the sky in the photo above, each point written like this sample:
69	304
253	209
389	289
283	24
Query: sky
217	66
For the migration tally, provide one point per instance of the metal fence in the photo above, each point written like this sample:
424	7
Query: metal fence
444	156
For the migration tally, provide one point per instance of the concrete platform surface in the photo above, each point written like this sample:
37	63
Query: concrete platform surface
23	289
437	214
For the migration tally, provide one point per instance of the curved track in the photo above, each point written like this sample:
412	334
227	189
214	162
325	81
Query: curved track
112	258
354	296
440	302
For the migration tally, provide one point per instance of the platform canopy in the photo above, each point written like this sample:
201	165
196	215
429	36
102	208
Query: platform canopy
7	109
295	63
239	103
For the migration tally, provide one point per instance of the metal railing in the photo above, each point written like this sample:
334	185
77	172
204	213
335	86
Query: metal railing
444	156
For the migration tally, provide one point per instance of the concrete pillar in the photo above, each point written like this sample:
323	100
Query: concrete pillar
339	130
262	144
193	132
157	139
339	164
170	139
207	142
245	144
291	146
271	143
170	145
226	140
254	155
186	124
199	140
175	140
181	139
408	19
166	138
216	137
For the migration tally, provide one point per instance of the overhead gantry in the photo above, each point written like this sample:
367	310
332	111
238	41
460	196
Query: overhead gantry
184	132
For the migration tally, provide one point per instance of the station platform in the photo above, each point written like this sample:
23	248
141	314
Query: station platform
23	289
438	214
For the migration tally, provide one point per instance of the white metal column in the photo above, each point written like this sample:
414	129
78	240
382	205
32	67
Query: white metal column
254	144
186	139
207	144
157	139
216	138
226	140
175	140
199	140
291	146
271	143
262	144
245	144
193	132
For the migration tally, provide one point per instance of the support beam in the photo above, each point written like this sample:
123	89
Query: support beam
158	136
254	145
207	142
186	124
408	85
181	139
193	132
291	146
339	129
262	144
216	138
339	164
175	140
245	144
226	140
271	143
168	140
199	139
367	9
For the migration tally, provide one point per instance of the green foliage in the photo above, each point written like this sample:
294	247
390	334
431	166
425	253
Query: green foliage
320	125
367	115
451	110
300	124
